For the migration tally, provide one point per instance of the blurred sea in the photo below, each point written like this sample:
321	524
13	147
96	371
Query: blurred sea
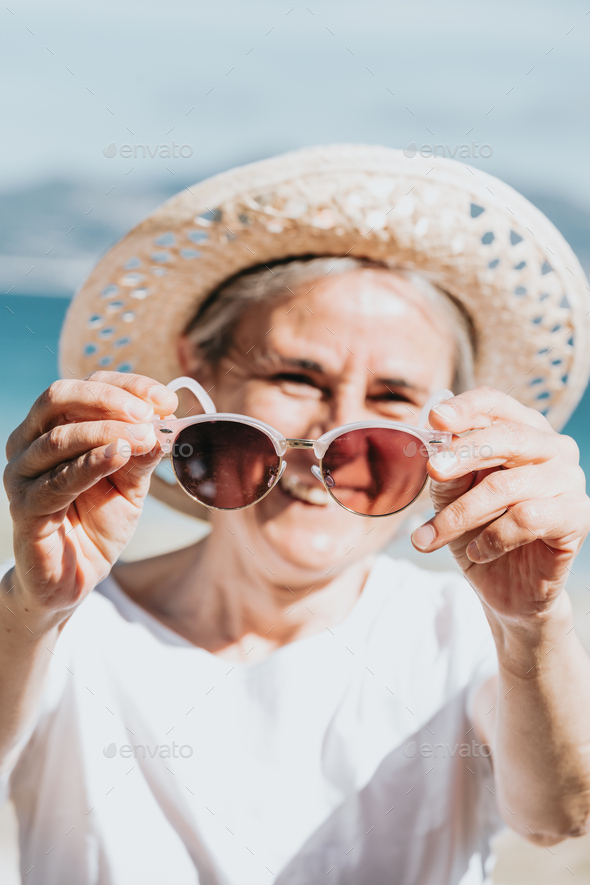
29	331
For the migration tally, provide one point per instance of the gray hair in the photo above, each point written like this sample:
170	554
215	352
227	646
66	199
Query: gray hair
211	329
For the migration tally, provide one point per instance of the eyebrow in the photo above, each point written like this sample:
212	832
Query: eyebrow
298	363
309	365
270	358
402	382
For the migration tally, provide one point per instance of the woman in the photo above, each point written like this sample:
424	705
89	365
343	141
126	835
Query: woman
281	702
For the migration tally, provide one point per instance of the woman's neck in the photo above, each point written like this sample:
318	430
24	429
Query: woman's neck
213	596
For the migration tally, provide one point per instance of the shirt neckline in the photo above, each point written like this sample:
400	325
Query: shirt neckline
373	592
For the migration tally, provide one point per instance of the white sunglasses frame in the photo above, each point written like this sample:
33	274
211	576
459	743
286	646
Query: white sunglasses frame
168	429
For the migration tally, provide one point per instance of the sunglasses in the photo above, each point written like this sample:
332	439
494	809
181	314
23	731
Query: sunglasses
227	461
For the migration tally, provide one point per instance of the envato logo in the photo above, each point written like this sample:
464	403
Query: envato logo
458	451
146	151
464	150
442	751
184	450
144	751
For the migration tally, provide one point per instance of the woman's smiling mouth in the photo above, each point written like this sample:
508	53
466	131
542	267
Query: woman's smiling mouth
302	491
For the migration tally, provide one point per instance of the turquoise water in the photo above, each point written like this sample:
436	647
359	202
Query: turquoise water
29	330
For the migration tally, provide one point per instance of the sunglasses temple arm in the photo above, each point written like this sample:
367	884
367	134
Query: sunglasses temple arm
434	400
195	388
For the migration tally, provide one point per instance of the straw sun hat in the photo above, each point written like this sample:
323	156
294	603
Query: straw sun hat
469	233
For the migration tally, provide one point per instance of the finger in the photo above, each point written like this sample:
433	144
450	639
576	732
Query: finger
506	443
561	522
54	491
164	401
442	493
499	490
68	402
482	407
68	441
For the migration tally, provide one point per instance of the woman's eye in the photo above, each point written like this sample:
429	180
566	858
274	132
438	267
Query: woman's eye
395	404
294	377
391	396
295	382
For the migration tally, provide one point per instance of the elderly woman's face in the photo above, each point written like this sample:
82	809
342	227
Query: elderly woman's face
358	346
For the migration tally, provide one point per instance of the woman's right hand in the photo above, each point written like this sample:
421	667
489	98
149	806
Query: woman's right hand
78	471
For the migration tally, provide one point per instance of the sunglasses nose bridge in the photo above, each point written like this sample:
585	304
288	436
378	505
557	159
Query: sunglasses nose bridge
300	443
318	448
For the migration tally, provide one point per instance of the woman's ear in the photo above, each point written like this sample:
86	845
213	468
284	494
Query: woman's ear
194	366
191	363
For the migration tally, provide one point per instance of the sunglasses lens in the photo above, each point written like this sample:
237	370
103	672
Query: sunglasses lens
375	472
225	464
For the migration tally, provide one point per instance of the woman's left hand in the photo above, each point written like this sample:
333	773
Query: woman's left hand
511	504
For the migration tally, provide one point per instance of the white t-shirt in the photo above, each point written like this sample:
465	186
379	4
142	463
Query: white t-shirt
348	757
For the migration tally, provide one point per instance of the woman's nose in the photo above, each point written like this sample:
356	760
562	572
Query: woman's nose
346	405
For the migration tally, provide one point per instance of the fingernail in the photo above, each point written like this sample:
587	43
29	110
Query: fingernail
139	410
424	536
446	412
444	462
159	395
112	448
472	551
142	431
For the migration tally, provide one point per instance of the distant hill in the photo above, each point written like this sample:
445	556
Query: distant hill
51	234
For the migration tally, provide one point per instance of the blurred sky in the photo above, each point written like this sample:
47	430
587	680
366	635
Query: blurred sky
236	82
265	76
